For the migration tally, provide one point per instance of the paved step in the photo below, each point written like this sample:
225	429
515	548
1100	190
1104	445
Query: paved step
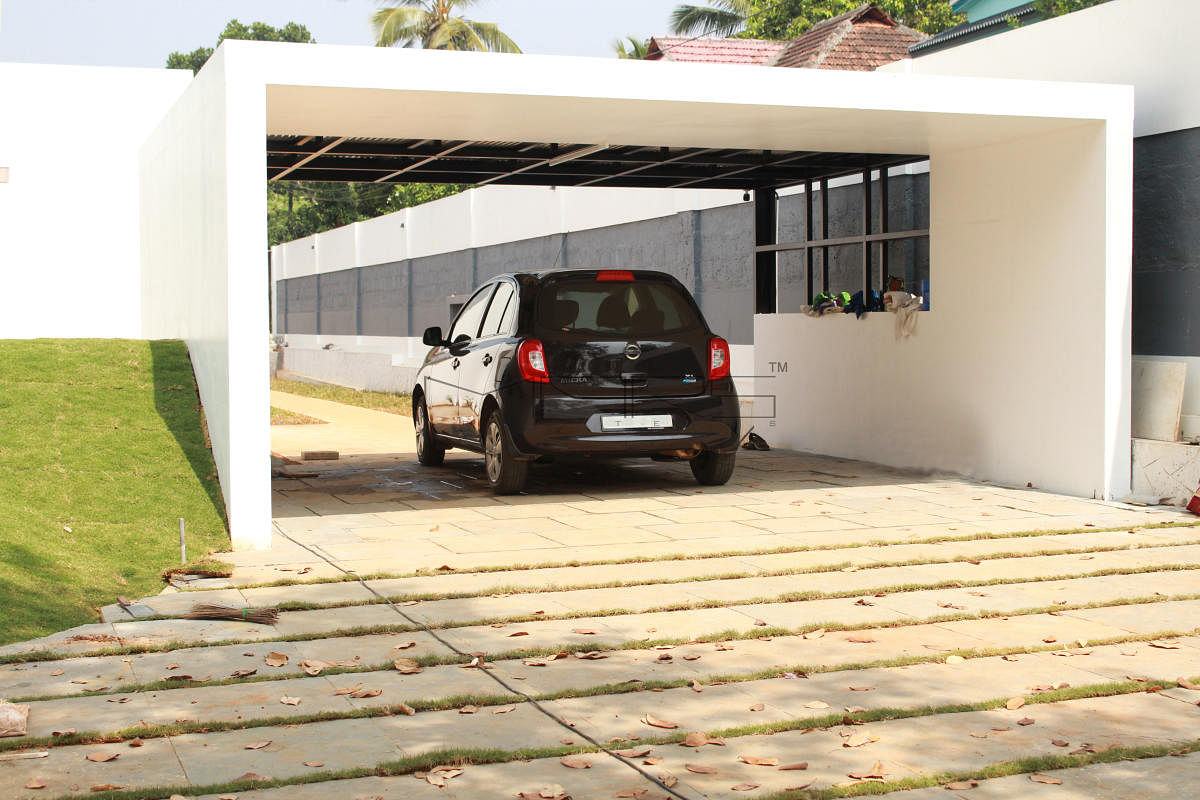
550	579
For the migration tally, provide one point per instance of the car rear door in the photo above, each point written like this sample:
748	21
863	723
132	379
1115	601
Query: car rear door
463	334
485	355
609	334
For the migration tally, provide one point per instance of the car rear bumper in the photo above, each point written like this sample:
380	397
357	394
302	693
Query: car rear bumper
543	421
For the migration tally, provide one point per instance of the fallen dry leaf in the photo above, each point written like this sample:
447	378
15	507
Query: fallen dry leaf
817	704
1186	684
652	760
696	686
244	673
533	662
1025	721
119	699
1164	645
274	659
575	762
658	723
251	776
668	780
958	786
406	709
759	762
583	631
257	745
289	701
136	743
101	758
633	752
407	666
56	673
875	773
106	787
468	709
723	646
1010	658
859	739
859	639
862	688
1038	777
701	769
35	783
65	732
695	739
1015	703
504	709
796	766
347	689
314	764
404	646
691	657
363	693
591	655
1060	743
744	787
757	707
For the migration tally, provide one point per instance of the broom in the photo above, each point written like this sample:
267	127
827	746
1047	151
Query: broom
261	616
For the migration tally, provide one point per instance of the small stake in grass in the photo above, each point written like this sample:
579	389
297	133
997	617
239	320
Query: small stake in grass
182	543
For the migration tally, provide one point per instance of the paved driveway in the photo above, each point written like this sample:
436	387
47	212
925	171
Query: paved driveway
875	625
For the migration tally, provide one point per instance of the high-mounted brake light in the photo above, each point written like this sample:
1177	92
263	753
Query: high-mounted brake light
531	361
614	275
718	358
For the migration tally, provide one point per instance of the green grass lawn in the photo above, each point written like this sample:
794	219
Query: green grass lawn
281	416
378	401
102	449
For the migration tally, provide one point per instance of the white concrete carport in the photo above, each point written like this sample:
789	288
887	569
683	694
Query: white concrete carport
1020	373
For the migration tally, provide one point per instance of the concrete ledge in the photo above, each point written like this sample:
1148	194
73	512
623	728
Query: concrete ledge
366	371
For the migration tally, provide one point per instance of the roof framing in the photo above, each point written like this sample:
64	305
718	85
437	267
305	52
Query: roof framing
557	163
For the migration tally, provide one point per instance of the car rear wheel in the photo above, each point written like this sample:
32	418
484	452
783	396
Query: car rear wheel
505	473
713	469
430	451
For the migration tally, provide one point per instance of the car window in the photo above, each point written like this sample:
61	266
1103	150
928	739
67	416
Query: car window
623	309
467	322
497	314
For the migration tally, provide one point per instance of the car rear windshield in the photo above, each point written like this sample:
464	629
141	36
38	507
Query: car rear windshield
640	308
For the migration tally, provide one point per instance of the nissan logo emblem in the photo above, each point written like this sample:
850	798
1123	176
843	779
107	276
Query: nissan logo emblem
633	351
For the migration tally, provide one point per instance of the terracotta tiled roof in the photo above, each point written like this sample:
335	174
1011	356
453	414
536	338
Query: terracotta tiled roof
861	39
713	51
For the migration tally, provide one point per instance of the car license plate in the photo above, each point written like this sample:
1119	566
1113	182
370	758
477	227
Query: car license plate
616	422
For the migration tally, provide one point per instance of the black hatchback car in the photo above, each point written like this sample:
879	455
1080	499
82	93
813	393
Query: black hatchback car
571	363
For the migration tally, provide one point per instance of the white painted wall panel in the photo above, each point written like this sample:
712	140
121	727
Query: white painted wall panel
335	249
1147	43
69	241
1003	379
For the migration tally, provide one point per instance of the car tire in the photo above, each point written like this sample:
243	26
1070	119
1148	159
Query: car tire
505	473
430	451
713	469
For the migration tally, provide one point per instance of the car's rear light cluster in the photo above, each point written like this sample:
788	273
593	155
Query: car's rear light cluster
718	358
531	360
614	275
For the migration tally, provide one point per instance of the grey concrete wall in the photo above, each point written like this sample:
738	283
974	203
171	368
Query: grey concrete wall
368	371
1166	243
711	252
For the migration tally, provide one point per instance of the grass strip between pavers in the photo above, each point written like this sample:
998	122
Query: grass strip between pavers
465	757
766	551
786	597
366	630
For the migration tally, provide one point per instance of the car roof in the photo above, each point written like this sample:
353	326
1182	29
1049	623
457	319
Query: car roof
542	275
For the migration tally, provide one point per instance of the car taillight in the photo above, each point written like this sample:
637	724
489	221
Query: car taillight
718	358
614	275
531	360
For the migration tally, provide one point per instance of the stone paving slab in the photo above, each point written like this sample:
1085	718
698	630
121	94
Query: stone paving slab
1148	777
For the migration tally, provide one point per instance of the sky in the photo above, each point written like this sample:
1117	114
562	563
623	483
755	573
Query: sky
141	33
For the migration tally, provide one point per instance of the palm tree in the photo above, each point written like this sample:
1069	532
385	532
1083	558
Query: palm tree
432	25
719	18
637	47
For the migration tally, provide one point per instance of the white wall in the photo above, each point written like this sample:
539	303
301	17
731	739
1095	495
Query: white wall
1149	44
1020	371
204	230
482	217
69	240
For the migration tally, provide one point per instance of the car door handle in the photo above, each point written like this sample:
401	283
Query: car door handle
487	359
454	363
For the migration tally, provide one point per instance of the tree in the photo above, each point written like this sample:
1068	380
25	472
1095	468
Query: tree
787	19
1056	8
637	47
255	31
432	25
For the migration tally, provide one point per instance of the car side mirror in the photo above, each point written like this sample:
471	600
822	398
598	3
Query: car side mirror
433	337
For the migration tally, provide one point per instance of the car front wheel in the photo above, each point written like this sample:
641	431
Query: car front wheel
713	469
430	451
505	473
